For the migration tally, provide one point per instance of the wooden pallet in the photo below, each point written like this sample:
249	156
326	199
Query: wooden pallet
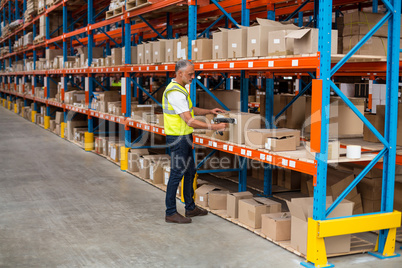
135	4
39	40
41	10
115	12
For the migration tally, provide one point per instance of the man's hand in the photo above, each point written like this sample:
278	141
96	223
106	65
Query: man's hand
216	111
219	127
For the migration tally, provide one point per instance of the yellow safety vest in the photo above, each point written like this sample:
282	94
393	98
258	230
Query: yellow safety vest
174	124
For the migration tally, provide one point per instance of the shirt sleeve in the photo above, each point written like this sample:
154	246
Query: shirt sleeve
178	101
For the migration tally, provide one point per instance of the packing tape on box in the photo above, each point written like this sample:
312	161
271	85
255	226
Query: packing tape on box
353	151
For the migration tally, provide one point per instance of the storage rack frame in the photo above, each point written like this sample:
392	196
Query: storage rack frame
320	12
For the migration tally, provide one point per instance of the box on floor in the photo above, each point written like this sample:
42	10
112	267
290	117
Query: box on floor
134	156
276	226
147	160
250	210
301	209
233	203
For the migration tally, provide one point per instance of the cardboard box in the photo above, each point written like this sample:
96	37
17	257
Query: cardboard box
348	89
279	44
116	56
70	128
220	44
141	54
133	55
201	49
201	194
237	43
181	48
171	50
148	53
306	41
232	205
230	98
244	121
360	23
370	188
250	212
134	159
209	119
159	50
375	46
292	179
276	226
156	169
257	138
343	121
147	160
258	39
217	199
59	117
301	209
370	206
53	53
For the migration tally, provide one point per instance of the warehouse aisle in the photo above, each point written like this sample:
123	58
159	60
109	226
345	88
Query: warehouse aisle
63	207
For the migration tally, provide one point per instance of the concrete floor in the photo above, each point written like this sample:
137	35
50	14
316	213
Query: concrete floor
63	207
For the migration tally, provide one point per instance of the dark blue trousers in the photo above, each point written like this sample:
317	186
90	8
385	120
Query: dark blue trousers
182	164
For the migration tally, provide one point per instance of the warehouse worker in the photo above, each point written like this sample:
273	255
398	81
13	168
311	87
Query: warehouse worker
116	81
179	123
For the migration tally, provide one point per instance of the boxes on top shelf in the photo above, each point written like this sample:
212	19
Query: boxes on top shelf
306	41
258	39
220	44
171	50
237	43
201	49
159	50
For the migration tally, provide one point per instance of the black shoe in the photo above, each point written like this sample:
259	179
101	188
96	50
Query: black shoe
177	218
196	212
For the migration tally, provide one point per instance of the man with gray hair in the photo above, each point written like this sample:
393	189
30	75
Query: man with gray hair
179	122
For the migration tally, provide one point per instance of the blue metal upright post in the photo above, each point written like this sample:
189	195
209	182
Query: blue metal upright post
90	78
244	81
324	46
192	35
391	115
127	78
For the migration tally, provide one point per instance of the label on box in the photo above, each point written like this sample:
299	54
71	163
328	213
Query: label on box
140	54
146	51
167	175
169	50
156	52
142	162
268	144
253	41
216	47
193	42
201	198
277	41
234	45
151	172
195	49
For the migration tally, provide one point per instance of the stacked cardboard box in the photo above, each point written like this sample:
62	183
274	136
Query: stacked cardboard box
378	121
356	25
301	210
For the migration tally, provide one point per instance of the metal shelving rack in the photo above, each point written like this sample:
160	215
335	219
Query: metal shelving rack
95	31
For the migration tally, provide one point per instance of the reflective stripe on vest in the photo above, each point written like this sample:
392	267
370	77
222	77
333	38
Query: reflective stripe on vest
174	124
